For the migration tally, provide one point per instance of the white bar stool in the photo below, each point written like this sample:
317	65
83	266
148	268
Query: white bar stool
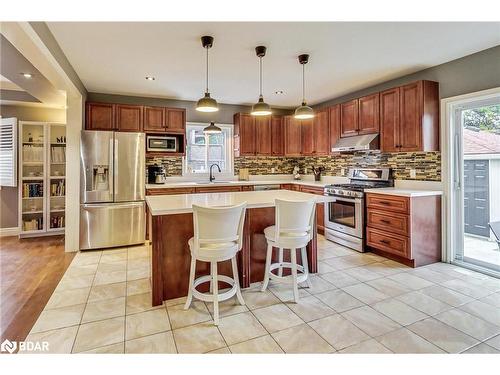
293	230
218	236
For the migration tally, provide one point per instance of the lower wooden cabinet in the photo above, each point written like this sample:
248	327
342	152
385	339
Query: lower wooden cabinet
170	191
217	189
320	207
406	229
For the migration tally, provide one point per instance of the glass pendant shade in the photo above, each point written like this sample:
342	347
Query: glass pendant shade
261	108
212	129
207	104
304	112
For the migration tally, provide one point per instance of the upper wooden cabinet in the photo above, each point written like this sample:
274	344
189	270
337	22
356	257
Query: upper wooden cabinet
258	135
360	116
292	136
389	120
307	137
175	119
244	133
128	118
263	135
277	136
154	119
409	117
349	118
334	125
100	116
135	118
321	132
368	114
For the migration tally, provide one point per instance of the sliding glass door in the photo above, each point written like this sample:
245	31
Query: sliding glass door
476	183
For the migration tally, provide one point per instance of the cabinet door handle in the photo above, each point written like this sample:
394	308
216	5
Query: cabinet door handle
385	203
385	242
385	221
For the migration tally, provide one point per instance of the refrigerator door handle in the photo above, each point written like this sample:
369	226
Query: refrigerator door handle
112	167
115	166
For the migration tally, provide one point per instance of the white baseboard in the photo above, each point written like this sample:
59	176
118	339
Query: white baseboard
4	232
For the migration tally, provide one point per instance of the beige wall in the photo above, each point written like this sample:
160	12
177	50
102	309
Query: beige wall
9	195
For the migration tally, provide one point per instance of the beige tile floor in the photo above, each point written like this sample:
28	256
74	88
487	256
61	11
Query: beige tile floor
358	303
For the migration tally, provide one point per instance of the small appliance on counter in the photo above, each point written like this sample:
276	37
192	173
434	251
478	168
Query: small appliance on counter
156	174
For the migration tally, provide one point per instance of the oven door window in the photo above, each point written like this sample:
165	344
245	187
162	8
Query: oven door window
342	213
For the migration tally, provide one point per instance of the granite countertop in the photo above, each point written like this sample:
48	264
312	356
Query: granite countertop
170	185
405	192
183	203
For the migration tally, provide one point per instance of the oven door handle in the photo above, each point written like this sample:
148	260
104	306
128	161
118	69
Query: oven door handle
350	200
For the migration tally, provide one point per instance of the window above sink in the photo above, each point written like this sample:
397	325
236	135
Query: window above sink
203	150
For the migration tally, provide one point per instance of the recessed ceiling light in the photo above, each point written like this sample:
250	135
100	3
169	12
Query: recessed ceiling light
279	92
27	75
150	78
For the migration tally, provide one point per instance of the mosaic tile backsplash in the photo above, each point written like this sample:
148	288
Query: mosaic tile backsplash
426	164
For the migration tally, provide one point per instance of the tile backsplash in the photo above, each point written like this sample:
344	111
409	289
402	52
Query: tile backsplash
426	164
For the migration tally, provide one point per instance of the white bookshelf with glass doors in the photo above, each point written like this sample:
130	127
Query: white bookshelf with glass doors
42	178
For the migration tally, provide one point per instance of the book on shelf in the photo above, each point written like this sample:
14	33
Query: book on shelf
32	153
32	189
33	224
58	188
57	221
58	154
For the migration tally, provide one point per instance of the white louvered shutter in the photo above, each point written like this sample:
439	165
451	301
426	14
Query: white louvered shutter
8	152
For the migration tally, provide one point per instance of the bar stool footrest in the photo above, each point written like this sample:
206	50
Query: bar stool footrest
209	297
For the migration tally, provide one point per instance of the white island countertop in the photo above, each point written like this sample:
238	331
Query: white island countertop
404	192
183	203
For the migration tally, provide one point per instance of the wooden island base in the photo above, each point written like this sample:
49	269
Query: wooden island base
171	256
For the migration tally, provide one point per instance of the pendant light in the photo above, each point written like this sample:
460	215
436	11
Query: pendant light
212	129
260	108
207	104
303	112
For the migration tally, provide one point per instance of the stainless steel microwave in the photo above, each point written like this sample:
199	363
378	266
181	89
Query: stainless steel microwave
157	143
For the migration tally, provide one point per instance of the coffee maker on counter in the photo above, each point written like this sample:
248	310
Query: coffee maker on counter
156	174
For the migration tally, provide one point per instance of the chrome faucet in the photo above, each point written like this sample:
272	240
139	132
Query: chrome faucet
212	178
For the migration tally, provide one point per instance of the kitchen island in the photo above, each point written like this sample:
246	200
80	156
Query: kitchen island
170	221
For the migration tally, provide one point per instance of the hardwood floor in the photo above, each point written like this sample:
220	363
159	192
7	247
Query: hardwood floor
30	270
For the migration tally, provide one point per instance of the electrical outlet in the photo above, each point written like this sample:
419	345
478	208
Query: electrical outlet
413	173
273	170
342	171
305	170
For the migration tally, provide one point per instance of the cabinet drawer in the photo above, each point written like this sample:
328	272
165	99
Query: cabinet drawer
311	190
391	222
170	191
217	189
386	202
391	243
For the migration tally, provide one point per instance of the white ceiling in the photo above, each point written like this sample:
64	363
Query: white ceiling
114	57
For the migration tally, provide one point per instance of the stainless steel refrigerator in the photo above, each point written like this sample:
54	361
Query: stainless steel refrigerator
112	189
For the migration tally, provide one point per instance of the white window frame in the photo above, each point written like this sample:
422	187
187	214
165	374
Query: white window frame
229	152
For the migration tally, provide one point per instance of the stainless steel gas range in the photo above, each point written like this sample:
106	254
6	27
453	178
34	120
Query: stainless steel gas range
345	216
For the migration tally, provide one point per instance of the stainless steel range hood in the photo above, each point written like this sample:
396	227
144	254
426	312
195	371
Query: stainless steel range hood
357	143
